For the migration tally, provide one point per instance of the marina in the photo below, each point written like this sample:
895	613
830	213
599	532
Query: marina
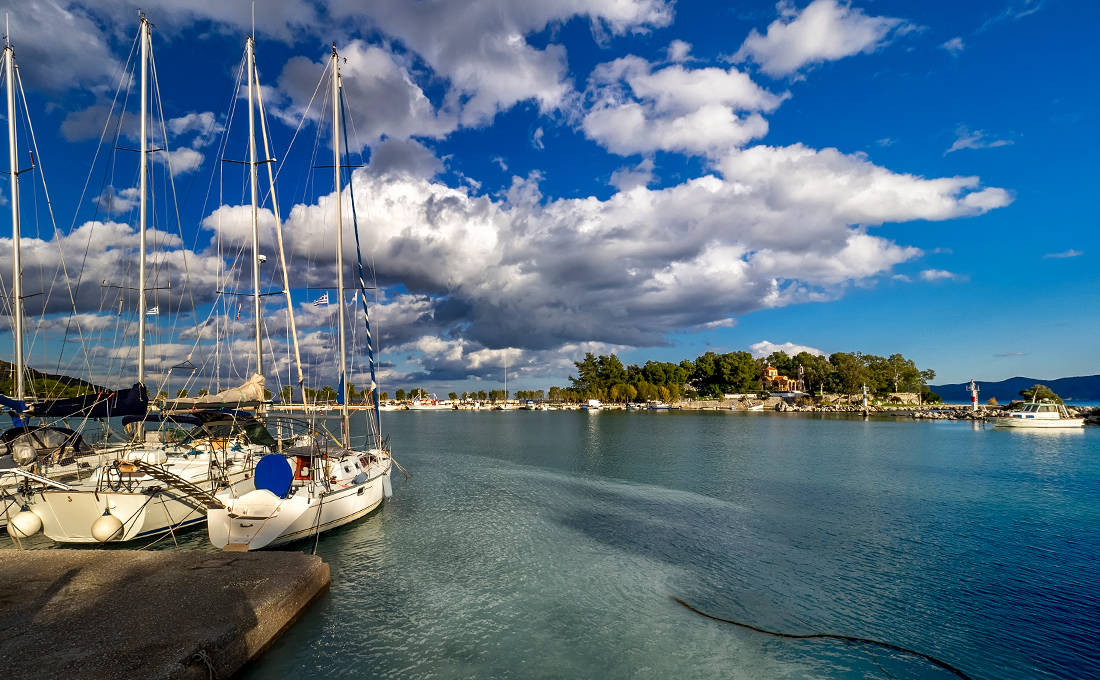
554	540
691	376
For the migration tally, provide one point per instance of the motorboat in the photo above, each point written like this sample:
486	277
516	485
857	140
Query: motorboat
1038	414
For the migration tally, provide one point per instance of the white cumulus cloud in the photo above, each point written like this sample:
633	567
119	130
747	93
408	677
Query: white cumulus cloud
826	30
766	347
636	109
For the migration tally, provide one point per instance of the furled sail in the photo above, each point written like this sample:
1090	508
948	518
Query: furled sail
250	393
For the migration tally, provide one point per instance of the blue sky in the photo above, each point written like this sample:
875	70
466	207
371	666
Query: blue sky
542	179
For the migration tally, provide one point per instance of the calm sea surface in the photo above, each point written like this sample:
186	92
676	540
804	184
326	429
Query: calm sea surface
530	544
550	545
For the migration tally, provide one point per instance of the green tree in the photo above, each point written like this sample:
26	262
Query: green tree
481	395
385	396
1039	392
782	363
816	370
287	394
929	397
453	396
850	373
182	394
611	371
904	375
399	395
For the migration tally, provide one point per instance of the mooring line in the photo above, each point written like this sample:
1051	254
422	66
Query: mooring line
829	636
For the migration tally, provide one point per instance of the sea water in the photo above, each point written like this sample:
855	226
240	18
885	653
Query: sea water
550	545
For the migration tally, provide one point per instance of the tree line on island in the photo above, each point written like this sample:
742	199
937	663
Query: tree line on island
710	375
713	375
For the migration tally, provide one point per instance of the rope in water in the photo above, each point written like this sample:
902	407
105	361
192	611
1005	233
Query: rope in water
829	636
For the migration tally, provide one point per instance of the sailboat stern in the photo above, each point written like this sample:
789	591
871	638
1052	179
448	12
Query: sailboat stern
253	521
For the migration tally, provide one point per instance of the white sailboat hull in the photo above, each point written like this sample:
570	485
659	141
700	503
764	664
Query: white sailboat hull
294	518
68	516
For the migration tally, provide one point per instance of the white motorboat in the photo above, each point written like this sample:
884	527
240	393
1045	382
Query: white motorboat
428	403
1038	414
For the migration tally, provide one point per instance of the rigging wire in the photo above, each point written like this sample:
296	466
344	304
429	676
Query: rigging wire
53	222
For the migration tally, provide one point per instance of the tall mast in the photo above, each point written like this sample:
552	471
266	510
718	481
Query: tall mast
17	269
142	189
345	420
292	331
249	45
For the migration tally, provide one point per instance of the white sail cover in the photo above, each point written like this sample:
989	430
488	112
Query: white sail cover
251	391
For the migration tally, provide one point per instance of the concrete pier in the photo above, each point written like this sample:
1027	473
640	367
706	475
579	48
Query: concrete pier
129	614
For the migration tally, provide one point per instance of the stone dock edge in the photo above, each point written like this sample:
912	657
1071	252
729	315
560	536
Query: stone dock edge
129	614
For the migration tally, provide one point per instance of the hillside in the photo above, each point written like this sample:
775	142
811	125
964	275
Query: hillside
54	385
1079	388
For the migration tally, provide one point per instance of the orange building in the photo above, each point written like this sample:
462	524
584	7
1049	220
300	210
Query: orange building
780	383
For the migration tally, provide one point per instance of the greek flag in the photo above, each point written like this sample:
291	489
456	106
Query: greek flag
321	301
153	311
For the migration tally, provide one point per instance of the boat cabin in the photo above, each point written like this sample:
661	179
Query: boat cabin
1041	410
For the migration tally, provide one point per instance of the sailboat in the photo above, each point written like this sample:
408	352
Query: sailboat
165	478
33	455
504	405
305	490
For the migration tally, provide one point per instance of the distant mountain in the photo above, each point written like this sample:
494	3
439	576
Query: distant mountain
1080	388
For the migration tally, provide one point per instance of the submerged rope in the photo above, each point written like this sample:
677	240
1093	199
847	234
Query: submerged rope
829	636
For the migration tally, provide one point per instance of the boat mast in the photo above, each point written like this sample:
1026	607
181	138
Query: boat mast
17	269
145	38
249	50
292	331
345	421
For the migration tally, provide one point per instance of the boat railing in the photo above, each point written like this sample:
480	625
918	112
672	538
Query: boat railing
16	472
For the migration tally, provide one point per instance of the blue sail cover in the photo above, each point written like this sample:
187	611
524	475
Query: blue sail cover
13	404
130	402
17	408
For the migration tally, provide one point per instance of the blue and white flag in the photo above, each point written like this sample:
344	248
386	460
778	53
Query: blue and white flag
321	301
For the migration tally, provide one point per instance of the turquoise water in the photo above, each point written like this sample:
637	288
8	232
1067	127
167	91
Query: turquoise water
549	545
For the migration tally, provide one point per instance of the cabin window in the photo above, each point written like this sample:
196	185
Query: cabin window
1046	409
